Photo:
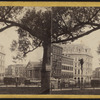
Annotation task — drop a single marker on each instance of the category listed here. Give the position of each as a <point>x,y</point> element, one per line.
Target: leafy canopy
<point>48,25</point>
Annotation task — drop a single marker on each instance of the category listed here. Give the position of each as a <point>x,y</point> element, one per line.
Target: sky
<point>6,37</point>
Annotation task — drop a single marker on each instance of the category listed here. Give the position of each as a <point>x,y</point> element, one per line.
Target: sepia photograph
<point>49,50</point>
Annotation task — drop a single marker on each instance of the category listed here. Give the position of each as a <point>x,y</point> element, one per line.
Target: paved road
<point>11,89</point>
<point>77,91</point>
<point>90,88</point>
<point>66,89</point>
<point>19,86</point>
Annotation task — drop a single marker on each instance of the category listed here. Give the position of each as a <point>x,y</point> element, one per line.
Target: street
<point>36,90</point>
<point>77,91</point>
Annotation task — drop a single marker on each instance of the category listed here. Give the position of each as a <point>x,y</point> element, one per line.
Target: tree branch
<point>93,15</point>
<point>93,24</point>
<point>79,36</point>
<point>24,27</point>
<point>3,17</point>
<point>4,28</point>
<point>67,31</point>
<point>33,49</point>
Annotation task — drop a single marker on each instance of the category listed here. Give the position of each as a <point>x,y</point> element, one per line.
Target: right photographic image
<point>75,50</point>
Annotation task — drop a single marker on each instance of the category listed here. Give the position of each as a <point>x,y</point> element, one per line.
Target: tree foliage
<point>74,22</point>
<point>52,25</point>
<point>40,26</point>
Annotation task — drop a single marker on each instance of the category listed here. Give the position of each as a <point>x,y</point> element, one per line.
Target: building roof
<point>57,45</point>
<point>17,66</point>
<point>76,49</point>
<point>97,69</point>
<point>75,45</point>
<point>67,56</point>
<point>34,64</point>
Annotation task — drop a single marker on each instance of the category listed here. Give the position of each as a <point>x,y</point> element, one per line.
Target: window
<point>79,50</point>
<point>72,68</point>
<point>68,67</point>
<point>75,64</point>
<point>75,71</point>
<point>63,67</point>
<point>78,71</point>
<point>75,59</point>
<point>85,50</point>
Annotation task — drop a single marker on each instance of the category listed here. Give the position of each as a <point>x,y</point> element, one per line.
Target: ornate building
<point>77,52</point>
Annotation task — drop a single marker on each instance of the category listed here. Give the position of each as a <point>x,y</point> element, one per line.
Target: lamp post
<point>81,63</point>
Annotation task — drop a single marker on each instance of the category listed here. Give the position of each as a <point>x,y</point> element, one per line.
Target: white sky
<point>92,40</point>
<point>6,38</point>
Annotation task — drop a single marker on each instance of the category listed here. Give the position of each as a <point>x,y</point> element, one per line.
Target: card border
<point>54,4</point>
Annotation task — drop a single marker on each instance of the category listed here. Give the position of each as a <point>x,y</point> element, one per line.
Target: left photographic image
<point>23,32</point>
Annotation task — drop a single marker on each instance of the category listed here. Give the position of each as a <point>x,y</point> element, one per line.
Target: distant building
<point>2,63</point>
<point>99,61</point>
<point>56,56</point>
<point>96,73</point>
<point>67,68</point>
<point>33,70</point>
<point>77,52</point>
<point>17,70</point>
<point>10,71</point>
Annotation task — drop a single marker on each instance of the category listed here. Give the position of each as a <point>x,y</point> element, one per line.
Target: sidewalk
<point>77,91</point>
<point>66,89</point>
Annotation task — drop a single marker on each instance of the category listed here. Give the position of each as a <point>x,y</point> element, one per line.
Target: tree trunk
<point>45,75</point>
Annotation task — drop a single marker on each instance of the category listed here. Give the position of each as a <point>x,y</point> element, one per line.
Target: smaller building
<point>56,52</point>
<point>17,70</point>
<point>67,68</point>
<point>33,70</point>
<point>96,73</point>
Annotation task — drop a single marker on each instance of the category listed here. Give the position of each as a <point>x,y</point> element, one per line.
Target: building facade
<point>96,73</point>
<point>67,68</point>
<point>77,52</point>
<point>17,70</point>
<point>56,56</point>
<point>33,70</point>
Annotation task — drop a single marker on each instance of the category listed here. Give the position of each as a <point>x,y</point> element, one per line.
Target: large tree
<point>44,27</point>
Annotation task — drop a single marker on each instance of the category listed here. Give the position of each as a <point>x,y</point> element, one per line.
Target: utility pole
<point>51,73</point>
<point>81,63</point>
